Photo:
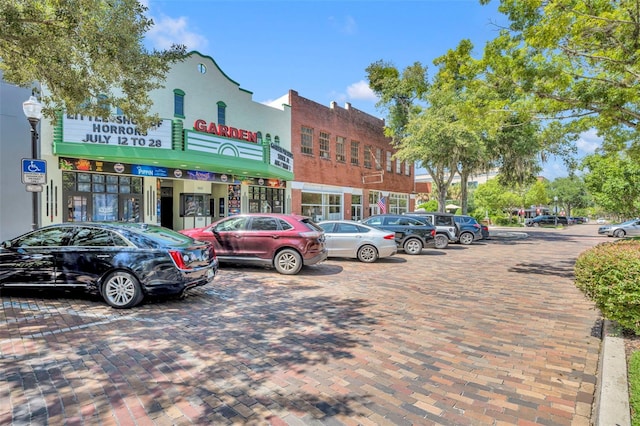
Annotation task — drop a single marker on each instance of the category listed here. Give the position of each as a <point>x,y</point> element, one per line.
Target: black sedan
<point>122,262</point>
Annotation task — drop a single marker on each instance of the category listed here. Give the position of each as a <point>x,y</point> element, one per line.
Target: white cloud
<point>589,141</point>
<point>167,31</point>
<point>347,26</point>
<point>361,91</point>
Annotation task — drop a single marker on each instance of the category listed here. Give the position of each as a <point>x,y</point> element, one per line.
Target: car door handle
<point>275,237</point>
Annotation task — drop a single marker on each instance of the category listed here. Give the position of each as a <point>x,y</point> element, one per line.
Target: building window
<point>340,154</point>
<point>407,168</point>
<point>322,206</point>
<point>355,153</point>
<point>306,140</point>
<point>398,166</point>
<point>378,159</point>
<point>202,69</point>
<point>367,157</point>
<point>389,168</point>
<point>324,145</point>
<point>222,113</point>
<point>178,103</point>
<point>398,203</point>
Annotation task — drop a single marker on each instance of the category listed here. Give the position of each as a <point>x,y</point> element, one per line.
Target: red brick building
<point>343,163</point>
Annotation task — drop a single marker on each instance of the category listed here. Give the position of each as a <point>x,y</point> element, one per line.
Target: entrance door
<point>166,212</point>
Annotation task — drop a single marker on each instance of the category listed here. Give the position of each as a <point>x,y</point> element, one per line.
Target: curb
<point>612,394</point>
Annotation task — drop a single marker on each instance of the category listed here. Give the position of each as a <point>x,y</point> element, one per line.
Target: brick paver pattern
<point>495,333</point>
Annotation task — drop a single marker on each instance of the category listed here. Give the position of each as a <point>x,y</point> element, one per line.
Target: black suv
<point>446,228</point>
<point>412,233</point>
<point>547,220</point>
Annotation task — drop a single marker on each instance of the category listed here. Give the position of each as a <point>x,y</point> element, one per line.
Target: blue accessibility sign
<point>34,172</point>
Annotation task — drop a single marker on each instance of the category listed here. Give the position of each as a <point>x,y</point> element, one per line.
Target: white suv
<point>446,229</point>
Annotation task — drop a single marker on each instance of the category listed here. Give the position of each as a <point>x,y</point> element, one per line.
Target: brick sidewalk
<point>489,334</point>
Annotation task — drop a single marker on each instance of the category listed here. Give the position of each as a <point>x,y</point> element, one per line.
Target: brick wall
<point>351,124</point>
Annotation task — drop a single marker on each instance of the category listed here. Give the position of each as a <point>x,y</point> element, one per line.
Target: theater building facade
<point>214,153</point>
<point>344,166</point>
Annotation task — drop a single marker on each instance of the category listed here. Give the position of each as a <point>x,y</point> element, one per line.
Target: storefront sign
<point>282,158</point>
<point>149,171</point>
<point>117,131</point>
<point>226,131</point>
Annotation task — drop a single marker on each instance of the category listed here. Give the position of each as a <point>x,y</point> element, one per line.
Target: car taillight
<point>179,259</point>
<point>433,233</point>
<point>389,237</point>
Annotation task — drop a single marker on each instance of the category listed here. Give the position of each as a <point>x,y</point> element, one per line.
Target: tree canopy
<point>572,61</point>
<point>89,55</point>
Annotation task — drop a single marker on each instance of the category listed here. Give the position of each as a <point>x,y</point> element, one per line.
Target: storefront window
<point>99,197</point>
<point>320,206</point>
<point>398,203</point>
<point>263,199</point>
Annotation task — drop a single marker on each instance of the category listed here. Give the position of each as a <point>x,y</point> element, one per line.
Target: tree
<point>572,61</point>
<point>614,182</point>
<point>87,53</point>
<point>572,193</point>
<point>537,195</point>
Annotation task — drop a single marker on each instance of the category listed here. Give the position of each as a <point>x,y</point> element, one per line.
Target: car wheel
<point>288,262</point>
<point>466,238</point>
<point>122,290</point>
<point>441,241</point>
<point>619,233</point>
<point>535,224</point>
<point>367,254</point>
<point>412,246</point>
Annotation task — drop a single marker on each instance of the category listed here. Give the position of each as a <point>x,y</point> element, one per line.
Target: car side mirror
<point>6,244</point>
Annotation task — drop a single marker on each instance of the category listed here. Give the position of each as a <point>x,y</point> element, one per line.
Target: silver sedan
<point>345,238</point>
<point>628,228</point>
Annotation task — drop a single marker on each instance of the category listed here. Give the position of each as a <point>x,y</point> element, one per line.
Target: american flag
<point>383,207</point>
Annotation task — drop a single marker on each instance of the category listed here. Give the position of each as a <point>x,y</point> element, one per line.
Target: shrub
<point>634,387</point>
<point>506,221</point>
<point>609,274</point>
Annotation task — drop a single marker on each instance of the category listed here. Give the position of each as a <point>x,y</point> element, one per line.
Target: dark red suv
<point>283,241</point>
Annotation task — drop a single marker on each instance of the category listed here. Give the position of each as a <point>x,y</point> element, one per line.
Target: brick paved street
<point>489,334</point>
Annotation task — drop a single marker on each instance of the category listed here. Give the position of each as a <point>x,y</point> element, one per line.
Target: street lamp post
<point>555,208</point>
<point>33,111</point>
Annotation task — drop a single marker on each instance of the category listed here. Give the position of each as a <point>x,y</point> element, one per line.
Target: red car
<point>285,242</point>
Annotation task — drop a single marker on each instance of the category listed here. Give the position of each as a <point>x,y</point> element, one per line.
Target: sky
<point>321,48</point>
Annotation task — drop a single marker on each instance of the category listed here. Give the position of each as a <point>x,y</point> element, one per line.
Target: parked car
<point>578,220</point>
<point>601,221</point>
<point>412,234</point>
<point>485,232</point>
<point>620,230</point>
<point>123,262</point>
<point>469,230</point>
<point>446,228</point>
<point>285,242</point>
<point>547,220</point>
<point>345,238</point>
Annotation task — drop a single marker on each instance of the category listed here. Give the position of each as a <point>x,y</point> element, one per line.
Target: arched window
<point>178,103</point>
<point>222,112</point>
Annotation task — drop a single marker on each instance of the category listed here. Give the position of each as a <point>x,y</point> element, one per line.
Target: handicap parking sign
<point>34,172</point>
